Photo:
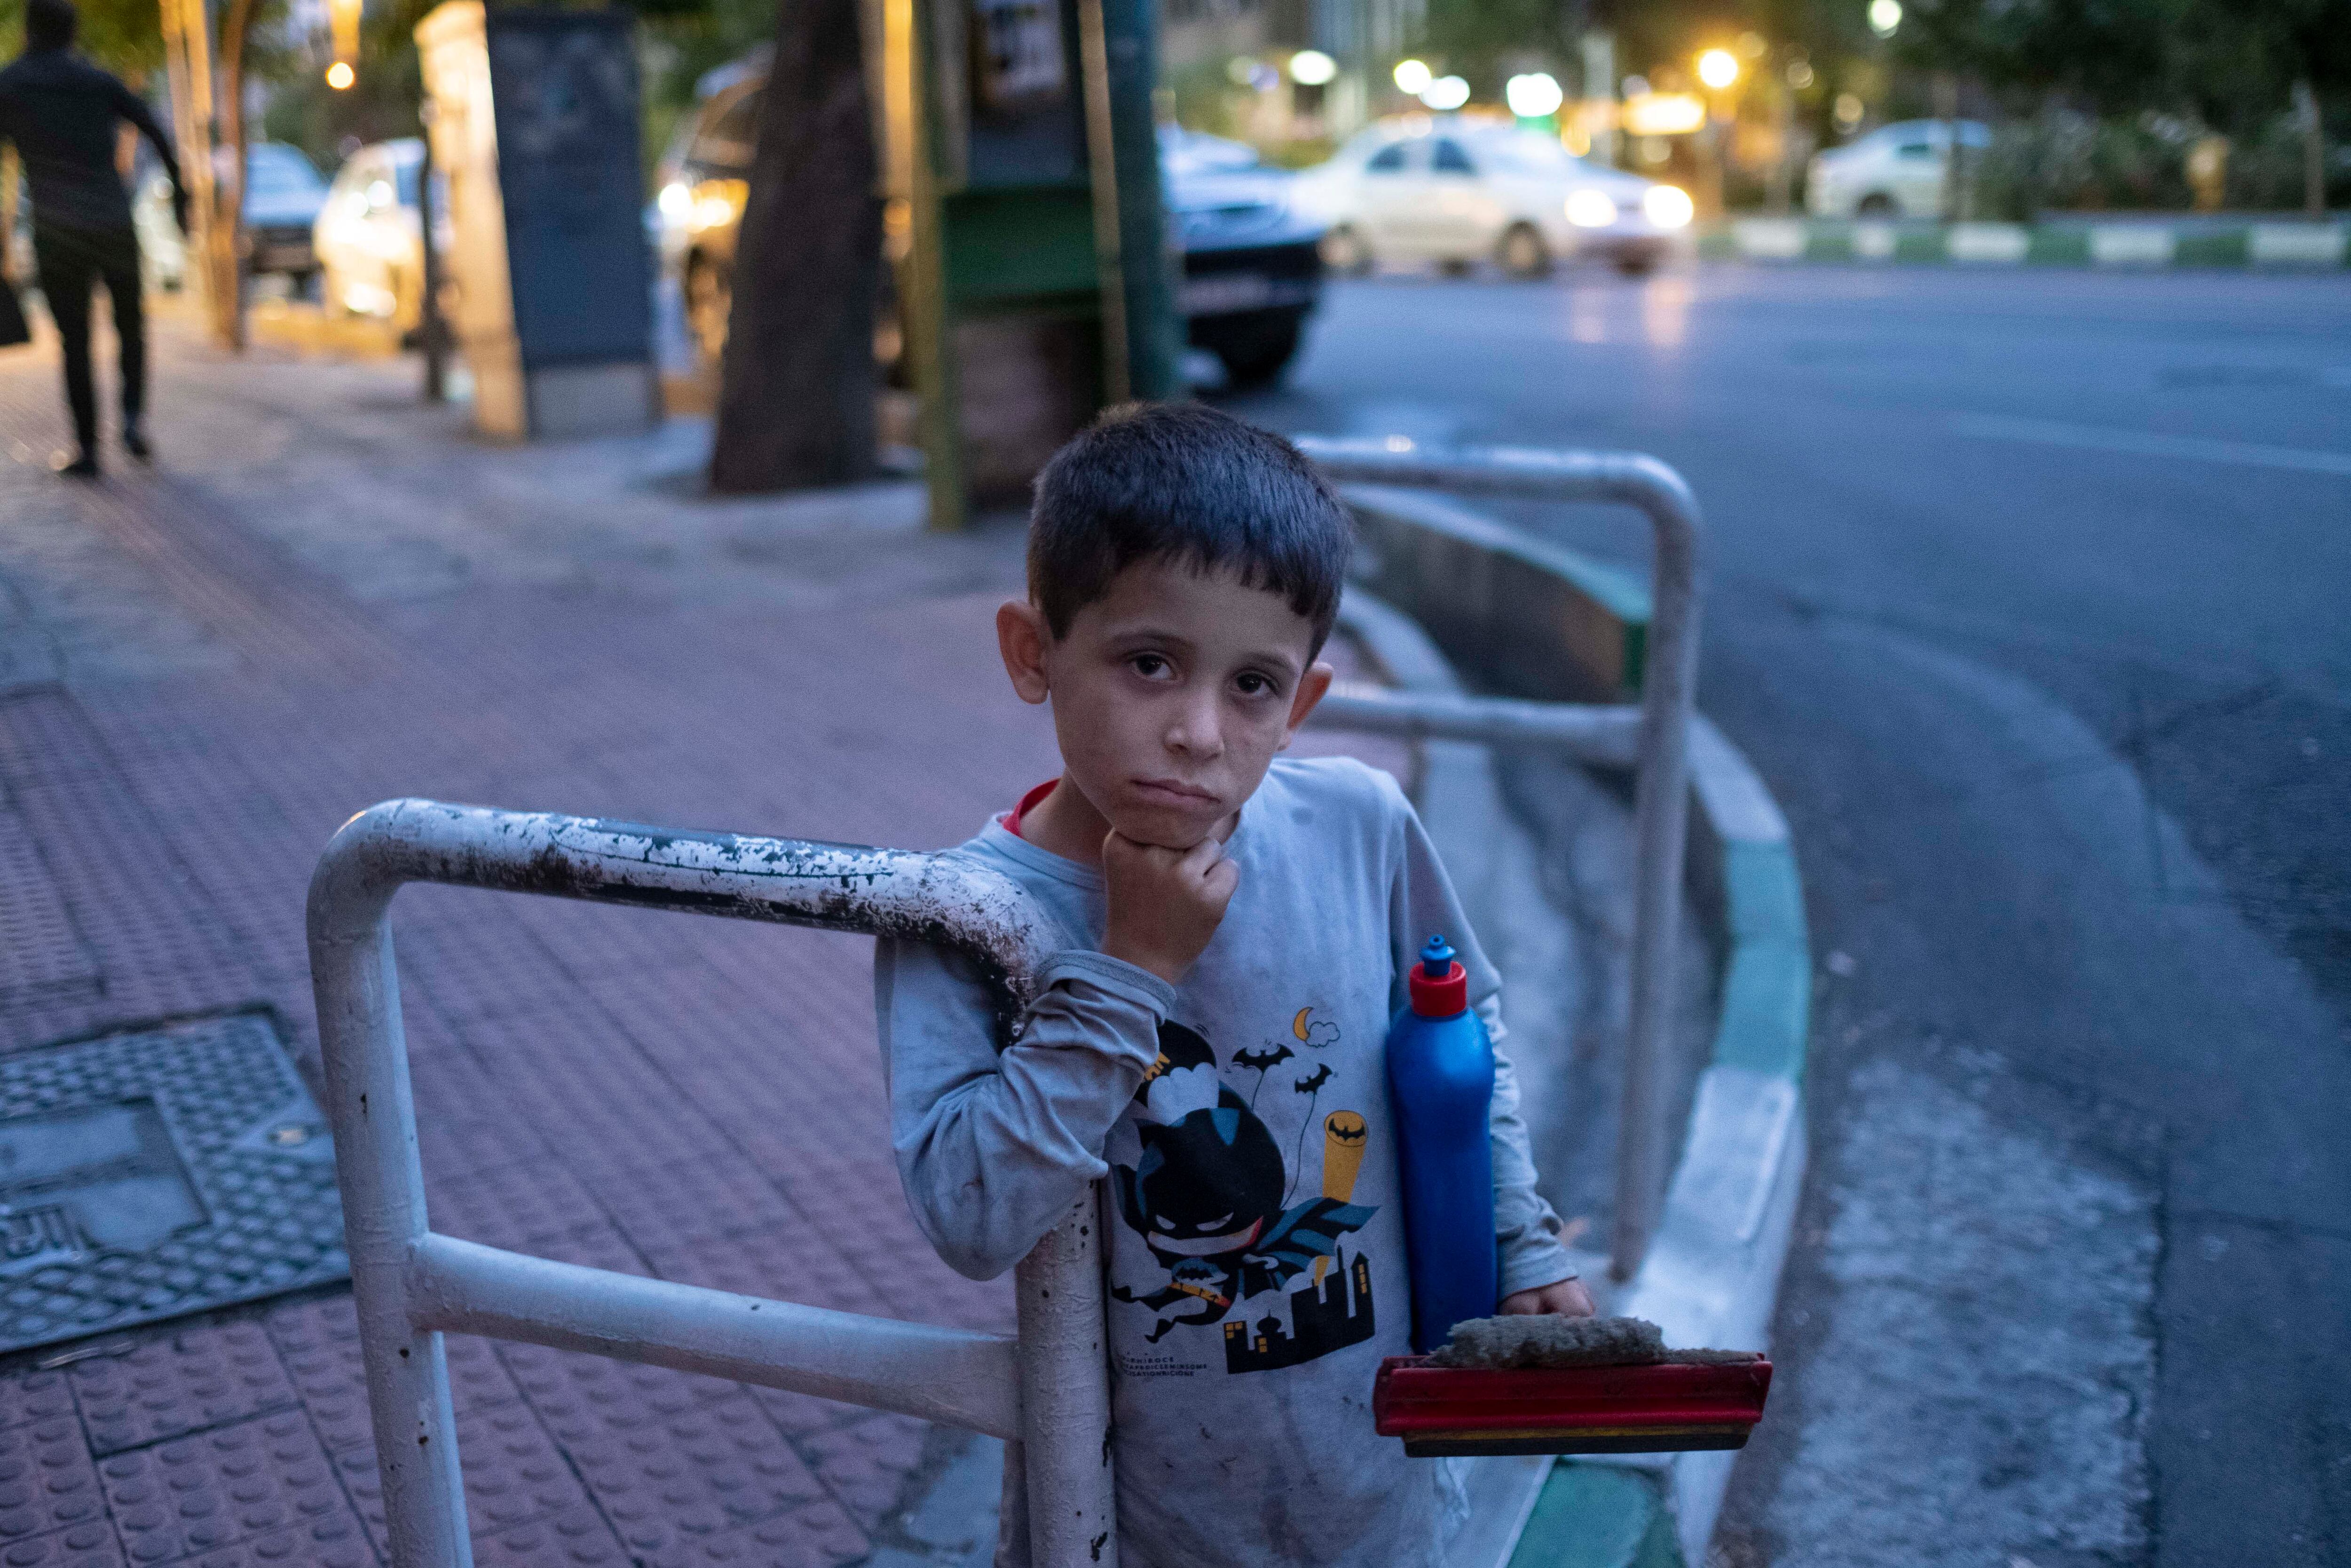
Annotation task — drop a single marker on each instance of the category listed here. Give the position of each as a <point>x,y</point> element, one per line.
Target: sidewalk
<point>324,596</point>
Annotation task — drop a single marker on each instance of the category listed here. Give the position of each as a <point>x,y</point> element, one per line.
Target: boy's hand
<point>1567,1298</point>
<point>1164,905</point>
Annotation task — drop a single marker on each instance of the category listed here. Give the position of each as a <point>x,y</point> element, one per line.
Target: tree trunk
<point>796,381</point>
<point>225,234</point>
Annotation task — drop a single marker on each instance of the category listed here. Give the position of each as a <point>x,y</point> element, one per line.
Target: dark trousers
<point>72,262</point>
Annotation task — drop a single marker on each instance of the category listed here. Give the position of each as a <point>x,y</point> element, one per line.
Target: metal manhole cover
<point>157,1172</point>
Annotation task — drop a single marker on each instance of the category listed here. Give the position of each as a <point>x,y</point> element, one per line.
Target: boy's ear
<point>1312,688</point>
<point>1022,637</point>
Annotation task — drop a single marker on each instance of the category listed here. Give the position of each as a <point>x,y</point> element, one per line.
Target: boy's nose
<point>1199,731</point>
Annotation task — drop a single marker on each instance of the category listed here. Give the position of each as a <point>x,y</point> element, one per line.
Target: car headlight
<point>676,201</point>
<point>1667,206</point>
<point>1590,209</point>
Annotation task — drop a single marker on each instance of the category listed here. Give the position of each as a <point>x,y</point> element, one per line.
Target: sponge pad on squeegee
<point>1568,1386</point>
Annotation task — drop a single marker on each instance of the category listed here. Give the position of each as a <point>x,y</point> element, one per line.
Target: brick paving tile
<point>194,1378</point>
<point>512,1204</point>
<point>577,1384</point>
<point>667,1209</point>
<point>667,1477</point>
<point>34,1396</point>
<point>196,1495</point>
<point>512,1472</point>
<point>866,1463</point>
<point>576,1538</point>
<point>47,1480</point>
<point>821,1536</point>
<point>318,1341</point>
<point>335,1541</point>
<point>88,1545</point>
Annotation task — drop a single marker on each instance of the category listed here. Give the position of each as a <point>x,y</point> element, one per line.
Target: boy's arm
<point>1525,1228</point>
<point>993,1148</point>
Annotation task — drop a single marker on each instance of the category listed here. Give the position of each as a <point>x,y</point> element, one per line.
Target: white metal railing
<point>1047,1387</point>
<point>1656,743</point>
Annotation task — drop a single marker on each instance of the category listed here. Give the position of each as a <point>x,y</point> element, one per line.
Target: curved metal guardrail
<point>1046,1389</point>
<point>1658,740</point>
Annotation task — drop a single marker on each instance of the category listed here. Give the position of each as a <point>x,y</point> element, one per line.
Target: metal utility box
<point>534,120</point>
<point>1026,222</point>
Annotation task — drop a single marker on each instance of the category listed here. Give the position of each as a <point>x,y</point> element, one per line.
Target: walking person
<point>61,112</point>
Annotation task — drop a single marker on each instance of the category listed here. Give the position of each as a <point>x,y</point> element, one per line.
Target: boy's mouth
<point>1172,792</point>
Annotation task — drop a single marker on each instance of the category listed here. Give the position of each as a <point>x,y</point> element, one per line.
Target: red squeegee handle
<point>1413,1398</point>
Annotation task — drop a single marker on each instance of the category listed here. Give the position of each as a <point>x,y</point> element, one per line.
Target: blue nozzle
<point>1436,958</point>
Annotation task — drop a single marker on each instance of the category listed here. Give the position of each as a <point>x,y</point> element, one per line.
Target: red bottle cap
<point>1439,985</point>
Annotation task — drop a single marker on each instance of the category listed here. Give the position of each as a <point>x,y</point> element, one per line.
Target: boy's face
<point>1170,695</point>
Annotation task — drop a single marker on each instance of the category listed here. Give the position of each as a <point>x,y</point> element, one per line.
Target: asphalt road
<point>2028,592</point>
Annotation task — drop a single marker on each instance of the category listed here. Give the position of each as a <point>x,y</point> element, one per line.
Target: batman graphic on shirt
<point>1208,1197</point>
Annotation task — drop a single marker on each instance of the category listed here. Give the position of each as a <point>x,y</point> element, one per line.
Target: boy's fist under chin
<point>1164,905</point>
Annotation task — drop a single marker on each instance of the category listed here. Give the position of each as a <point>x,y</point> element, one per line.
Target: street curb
<point>1712,1272</point>
<point>2284,245</point>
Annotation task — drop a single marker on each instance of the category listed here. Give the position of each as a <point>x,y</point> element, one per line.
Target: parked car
<point>1252,267</point>
<point>1253,259</point>
<point>1457,191</point>
<point>1895,172</point>
<point>283,193</point>
<point>369,238</point>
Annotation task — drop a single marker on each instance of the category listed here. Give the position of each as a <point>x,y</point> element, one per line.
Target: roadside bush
<point>2062,161</point>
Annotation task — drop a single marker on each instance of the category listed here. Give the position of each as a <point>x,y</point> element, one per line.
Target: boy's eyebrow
<point>1177,639</point>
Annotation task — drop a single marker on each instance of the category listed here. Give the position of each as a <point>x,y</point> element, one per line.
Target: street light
<point>1885,16</point>
<point>1312,68</point>
<point>1533,97</point>
<point>1720,67</point>
<point>339,76</point>
<point>1445,94</point>
<point>1413,77</point>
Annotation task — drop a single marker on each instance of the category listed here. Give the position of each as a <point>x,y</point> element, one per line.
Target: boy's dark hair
<point>1181,482</point>
<point>50,24</point>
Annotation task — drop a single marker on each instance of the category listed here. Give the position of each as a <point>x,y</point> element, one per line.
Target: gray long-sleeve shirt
<point>1257,1257</point>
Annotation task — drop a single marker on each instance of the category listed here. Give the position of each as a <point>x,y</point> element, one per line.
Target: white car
<point>369,239</point>
<point>1457,191</point>
<point>1895,172</point>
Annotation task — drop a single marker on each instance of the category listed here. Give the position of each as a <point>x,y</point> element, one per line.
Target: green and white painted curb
<point>2281,244</point>
<point>1544,622</point>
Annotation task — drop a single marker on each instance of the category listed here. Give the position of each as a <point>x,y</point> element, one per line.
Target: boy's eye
<point>1253,684</point>
<point>1150,666</point>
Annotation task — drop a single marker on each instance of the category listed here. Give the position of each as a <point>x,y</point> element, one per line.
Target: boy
<point>1236,933</point>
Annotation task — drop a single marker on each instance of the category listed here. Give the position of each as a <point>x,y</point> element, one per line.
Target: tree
<point>797,381</point>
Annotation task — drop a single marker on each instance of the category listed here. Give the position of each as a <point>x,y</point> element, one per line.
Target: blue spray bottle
<point>1441,1083</point>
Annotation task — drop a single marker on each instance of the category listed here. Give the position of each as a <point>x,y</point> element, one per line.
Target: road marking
<point>2094,438</point>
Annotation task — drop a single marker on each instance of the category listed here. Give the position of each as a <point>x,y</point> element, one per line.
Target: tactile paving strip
<point>241,1148</point>
<point>206,1376</point>
<point>263,1478</point>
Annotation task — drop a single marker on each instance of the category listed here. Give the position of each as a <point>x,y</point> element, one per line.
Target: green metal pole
<point>927,319</point>
<point>1147,269</point>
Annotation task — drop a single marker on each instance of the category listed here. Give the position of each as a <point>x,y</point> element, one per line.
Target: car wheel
<point>1522,253</point>
<point>1877,205</point>
<point>1344,252</point>
<point>1256,352</point>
